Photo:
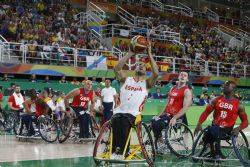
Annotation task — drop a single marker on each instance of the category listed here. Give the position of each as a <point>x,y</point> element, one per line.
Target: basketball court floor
<point>37,153</point>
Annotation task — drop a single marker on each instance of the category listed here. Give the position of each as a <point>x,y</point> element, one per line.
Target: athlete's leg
<point>108,111</point>
<point>158,124</point>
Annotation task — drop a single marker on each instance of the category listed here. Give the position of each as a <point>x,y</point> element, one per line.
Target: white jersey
<point>133,96</point>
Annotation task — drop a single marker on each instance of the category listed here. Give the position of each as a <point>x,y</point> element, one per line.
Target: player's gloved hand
<point>197,129</point>
<point>236,131</point>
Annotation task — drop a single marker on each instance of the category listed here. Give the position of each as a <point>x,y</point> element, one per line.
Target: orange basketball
<point>138,44</point>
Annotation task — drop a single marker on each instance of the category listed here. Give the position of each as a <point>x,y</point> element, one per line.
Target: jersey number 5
<point>223,114</point>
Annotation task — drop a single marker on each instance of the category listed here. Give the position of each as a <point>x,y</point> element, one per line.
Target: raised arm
<point>151,80</point>
<point>204,115</point>
<point>186,103</point>
<point>70,95</point>
<point>119,73</point>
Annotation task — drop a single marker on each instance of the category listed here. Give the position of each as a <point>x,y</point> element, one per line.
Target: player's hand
<point>197,129</point>
<point>236,131</point>
<point>172,121</point>
<point>92,114</point>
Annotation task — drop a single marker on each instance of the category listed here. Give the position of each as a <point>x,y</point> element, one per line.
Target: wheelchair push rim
<point>179,139</point>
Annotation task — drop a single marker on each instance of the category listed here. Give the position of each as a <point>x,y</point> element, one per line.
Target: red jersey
<point>13,101</point>
<point>37,107</point>
<point>226,111</point>
<point>82,100</point>
<point>175,102</point>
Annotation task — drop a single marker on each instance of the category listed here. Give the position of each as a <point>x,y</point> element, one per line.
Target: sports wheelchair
<point>7,120</point>
<point>142,149</point>
<point>231,147</point>
<point>45,128</point>
<point>69,128</point>
<point>177,139</point>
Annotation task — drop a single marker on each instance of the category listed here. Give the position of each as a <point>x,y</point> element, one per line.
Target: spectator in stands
<point>10,90</point>
<point>239,96</point>
<point>203,100</point>
<point>94,82</point>
<point>170,84</point>
<point>75,82</point>
<point>46,80</point>
<point>85,80</point>
<point>158,94</point>
<point>102,83</point>
<point>63,80</point>
<point>158,84</point>
<point>15,101</point>
<point>116,84</point>
<point>212,96</point>
<point>33,78</point>
<point>5,77</point>
<point>108,99</point>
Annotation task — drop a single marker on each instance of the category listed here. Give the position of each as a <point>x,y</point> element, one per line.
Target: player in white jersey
<point>133,94</point>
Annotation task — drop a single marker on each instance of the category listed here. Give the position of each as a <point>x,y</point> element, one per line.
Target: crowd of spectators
<point>54,24</point>
<point>201,42</point>
<point>45,27</point>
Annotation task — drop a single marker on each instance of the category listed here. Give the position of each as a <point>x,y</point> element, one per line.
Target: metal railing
<point>125,15</point>
<point>96,12</point>
<point>118,30</point>
<point>186,11</point>
<point>211,15</point>
<point>77,57</point>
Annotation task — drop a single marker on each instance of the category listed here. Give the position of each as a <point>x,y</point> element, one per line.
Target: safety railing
<point>211,15</point>
<point>77,57</point>
<point>96,12</point>
<point>118,30</point>
<point>125,15</point>
<point>185,10</point>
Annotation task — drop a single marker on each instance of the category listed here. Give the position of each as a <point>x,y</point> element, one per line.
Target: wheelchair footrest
<point>120,161</point>
<point>28,137</point>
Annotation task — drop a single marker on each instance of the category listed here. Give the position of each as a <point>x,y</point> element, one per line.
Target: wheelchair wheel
<point>65,129</point>
<point>10,120</point>
<point>2,128</point>
<point>146,142</point>
<point>101,148</point>
<point>241,148</point>
<point>200,149</point>
<point>47,129</point>
<point>17,126</point>
<point>179,139</point>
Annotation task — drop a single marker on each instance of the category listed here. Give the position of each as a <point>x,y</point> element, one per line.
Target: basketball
<point>138,44</point>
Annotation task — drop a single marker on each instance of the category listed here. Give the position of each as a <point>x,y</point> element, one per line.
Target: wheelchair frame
<point>168,142</point>
<point>65,131</point>
<point>43,128</point>
<point>137,148</point>
<point>231,140</point>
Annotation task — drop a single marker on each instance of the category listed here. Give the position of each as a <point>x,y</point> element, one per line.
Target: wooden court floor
<point>37,153</point>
